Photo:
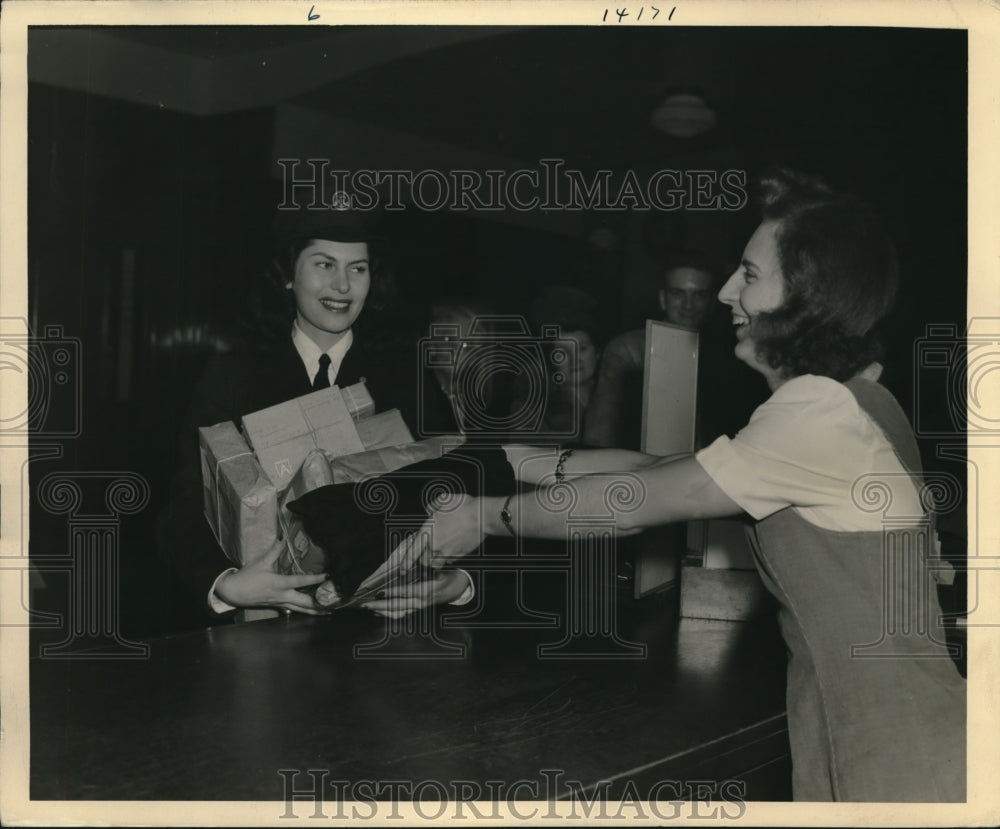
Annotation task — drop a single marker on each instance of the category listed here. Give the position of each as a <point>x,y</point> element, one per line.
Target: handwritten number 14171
<point>623,13</point>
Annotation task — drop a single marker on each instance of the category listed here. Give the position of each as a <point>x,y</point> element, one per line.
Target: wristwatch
<point>506,517</point>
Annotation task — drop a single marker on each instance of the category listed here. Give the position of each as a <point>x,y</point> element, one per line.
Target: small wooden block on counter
<point>728,595</point>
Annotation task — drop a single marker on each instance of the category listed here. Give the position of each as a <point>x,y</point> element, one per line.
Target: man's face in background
<point>687,296</point>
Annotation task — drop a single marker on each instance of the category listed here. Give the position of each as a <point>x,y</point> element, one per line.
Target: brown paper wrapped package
<point>241,504</point>
<point>281,436</point>
<point>384,430</point>
<point>380,461</point>
<point>359,401</point>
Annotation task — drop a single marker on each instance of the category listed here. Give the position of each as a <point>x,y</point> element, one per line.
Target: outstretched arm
<point>537,464</point>
<point>657,491</point>
<point>662,491</point>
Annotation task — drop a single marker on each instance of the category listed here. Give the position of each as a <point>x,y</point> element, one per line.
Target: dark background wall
<point>148,221</point>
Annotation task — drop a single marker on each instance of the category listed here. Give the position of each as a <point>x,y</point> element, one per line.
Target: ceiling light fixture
<point>683,114</point>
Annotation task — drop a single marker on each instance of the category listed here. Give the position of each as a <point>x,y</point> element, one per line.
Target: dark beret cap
<point>340,223</point>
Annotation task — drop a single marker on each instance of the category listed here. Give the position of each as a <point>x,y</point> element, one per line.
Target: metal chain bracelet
<point>560,475</point>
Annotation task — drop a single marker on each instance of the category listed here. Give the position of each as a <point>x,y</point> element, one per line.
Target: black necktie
<point>322,378</point>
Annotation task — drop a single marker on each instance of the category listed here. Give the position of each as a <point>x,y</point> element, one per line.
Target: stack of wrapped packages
<point>302,473</point>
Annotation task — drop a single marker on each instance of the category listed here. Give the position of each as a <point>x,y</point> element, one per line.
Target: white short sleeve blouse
<point>805,448</point>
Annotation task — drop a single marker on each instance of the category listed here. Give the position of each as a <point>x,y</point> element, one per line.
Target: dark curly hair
<point>272,305</point>
<point>840,278</point>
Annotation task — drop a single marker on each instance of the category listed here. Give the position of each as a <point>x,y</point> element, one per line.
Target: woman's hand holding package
<point>257,585</point>
<point>444,587</point>
<point>454,529</point>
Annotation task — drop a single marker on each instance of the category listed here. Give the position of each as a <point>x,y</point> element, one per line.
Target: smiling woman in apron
<point>876,708</point>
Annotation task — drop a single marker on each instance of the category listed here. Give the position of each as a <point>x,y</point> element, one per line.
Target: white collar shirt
<point>310,353</point>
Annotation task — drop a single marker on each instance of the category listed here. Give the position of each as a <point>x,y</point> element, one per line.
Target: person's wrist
<point>455,584</point>
<point>468,590</point>
<point>223,585</point>
<point>492,522</point>
<point>215,601</point>
<point>507,517</point>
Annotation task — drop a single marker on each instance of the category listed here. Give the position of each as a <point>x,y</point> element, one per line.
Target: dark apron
<point>876,707</point>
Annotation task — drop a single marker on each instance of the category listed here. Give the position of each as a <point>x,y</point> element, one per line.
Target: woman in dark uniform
<point>308,332</point>
<point>876,708</point>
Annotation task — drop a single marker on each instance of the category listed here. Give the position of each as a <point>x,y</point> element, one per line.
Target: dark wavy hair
<point>272,305</point>
<point>840,279</point>
<point>572,310</point>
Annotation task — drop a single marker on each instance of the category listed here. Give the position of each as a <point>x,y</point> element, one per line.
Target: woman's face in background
<point>459,318</point>
<point>330,285</point>
<point>757,285</point>
<point>587,356</point>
